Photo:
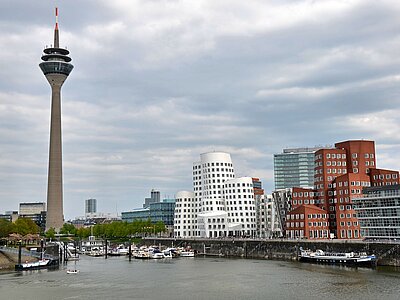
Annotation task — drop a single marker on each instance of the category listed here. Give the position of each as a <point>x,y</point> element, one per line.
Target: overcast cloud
<point>156,83</point>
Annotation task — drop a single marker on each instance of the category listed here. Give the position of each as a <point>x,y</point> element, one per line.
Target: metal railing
<point>26,253</point>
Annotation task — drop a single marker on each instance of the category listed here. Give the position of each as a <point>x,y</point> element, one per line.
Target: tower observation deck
<point>56,67</point>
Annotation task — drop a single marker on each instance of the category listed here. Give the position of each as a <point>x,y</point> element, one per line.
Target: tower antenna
<point>56,36</point>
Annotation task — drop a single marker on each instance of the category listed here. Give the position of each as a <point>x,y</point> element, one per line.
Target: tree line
<point>24,226</point>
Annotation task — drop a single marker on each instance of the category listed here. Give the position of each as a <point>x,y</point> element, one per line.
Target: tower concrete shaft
<point>55,218</point>
<point>56,68</point>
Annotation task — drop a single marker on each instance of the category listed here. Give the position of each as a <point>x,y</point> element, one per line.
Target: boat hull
<point>368,262</point>
<point>36,265</point>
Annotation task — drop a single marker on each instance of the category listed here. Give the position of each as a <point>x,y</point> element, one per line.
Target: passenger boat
<point>348,259</point>
<point>42,263</point>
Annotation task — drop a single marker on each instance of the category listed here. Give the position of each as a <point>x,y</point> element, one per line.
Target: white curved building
<point>185,215</point>
<point>224,206</point>
<point>240,206</point>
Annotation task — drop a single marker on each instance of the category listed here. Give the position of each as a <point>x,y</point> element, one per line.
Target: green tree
<point>51,233</point>
<point>6,227</point>
<point>68,229</point>
<point>24,226</point>
<point>83,233</point>
<point>160,227</point>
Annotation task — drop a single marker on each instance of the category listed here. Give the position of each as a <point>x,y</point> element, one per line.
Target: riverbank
<point>388,253</point>
<point>8,261</point>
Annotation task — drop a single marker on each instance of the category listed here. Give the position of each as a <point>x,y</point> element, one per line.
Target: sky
<point>156,83</point>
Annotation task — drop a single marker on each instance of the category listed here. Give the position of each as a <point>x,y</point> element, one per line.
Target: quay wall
<point>388,253</point>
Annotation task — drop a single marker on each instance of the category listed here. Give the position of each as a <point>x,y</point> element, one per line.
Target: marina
<point>204,277</point>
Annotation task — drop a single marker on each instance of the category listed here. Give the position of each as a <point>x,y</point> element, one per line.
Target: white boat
<point>143,253</point>
<point>348,258</point>
<point>155,253</point>
<point>72,271</point>
<point>42,263</point>
<point>187,253</point>
<point>170,253</point>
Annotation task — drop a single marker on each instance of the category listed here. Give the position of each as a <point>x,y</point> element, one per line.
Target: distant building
<point>90,206</point>
<point>136,214</point>
<point>94,218</point>
<point>154,198</point>
<point>294,167</point>
<point>378,212</point>
<point>31,208</point>
<point>36,211</point>
<point>157,212</point>
<point>11,216</point>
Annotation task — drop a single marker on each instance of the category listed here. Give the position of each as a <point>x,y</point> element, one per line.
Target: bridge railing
<point>26,252</point>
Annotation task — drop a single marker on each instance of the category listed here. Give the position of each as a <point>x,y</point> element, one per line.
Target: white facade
<point>223,205</point>
<point>240,206</point>
<point>185,215</point>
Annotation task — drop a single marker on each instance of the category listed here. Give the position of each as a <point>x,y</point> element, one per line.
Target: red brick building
<point>340,175</point>
<point>381,177</point>
<point>307,221</point>
<point>302,196</point>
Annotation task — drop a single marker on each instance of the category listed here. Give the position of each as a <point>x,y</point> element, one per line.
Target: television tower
<point>56,68</point>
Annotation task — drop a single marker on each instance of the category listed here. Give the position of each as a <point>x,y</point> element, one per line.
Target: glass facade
<point>163,211</point>
<point>378,212</point>
<point>56,67</point>
<point>294,168</point>
<point>160,211</point>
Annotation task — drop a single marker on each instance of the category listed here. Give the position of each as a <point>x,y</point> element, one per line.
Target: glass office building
<point>294,168</point>
<point>159,211</point>
<point>378,212</point>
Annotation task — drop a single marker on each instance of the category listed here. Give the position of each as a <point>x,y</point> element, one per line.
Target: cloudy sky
<point>156,83</point>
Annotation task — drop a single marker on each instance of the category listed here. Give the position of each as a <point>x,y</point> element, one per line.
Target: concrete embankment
<point>8,261</point>
<point>388,253</point>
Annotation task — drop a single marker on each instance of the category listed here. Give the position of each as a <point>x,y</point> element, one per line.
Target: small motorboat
<point>73,271</point>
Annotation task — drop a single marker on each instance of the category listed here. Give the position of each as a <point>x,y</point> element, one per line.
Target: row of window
<point>336,163</point>
<point>335,155</point>
<point>214,170</point>
<point>342,224</point>
<point>382,176</point>
<point>205,165</point>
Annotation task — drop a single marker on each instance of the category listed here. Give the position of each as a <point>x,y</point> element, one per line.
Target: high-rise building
<point>56,67</point>
<point>154,198</point>
<point>294,167</point>
<point>222,204</point>
<point>90,206</point>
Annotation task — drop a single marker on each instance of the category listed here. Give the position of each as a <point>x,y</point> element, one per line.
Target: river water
<point>200,278</point>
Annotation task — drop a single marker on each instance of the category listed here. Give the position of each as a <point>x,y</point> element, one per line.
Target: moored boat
<point>348,258</point>
<point>40,264</point>
<point>186,253</point>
